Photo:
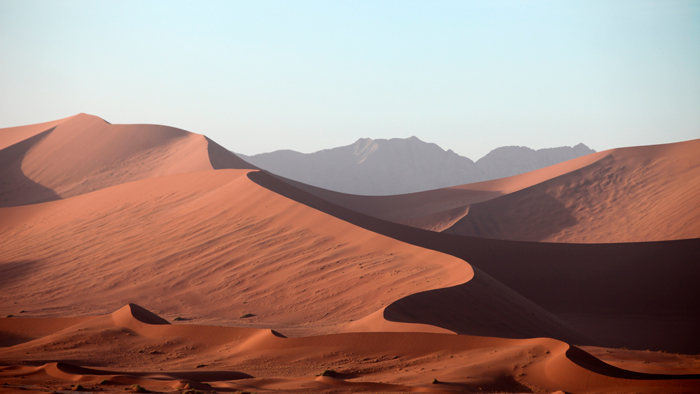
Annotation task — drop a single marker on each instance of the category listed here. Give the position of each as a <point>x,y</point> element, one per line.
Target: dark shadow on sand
<point>15,187</point>
<point>655,279</point>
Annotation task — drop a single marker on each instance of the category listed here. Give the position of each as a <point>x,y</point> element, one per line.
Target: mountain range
<point>398,166</point>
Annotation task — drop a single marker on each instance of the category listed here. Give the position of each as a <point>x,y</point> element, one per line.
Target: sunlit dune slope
<point>647,193</point>
<point>225,246</point>
<point>622,294</point>
<point>126,344</point>
<point>83,153</point>
<point>439,209</point>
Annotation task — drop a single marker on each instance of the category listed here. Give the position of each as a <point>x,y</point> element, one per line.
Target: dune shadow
<point>653,279</point>
<point>461,308</point>
<point>523,215</point>
<point>15,187</point>
<point>586,360</point>
<point>197,376</point>
<point>13,271</point>
<point>9,339</point>
<point>221,158</point>
<point>277,334</point>
<point>482,307</point>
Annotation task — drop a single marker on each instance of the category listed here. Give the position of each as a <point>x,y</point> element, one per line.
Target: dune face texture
<point>140,256</point>
<point>84,153</point>
<point>628,195</point>
<point>636,194</point>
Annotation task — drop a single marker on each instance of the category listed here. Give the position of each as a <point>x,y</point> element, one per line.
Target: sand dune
<point>635,194</point>
<point>439,209</point>
<point>260,360</point>
<point>12,135</point>
<point>618,294</point>
<point>227,246</point>
<point>99,216</point>
<point>83,153</point>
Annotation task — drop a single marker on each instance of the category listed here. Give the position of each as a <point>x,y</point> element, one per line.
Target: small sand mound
<point>135,312</point>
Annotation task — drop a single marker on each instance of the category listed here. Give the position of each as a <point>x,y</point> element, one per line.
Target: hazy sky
<point>258,76</point>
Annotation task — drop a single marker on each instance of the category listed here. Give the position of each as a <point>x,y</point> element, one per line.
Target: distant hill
<point>515,160</point>
<point>398,166</point>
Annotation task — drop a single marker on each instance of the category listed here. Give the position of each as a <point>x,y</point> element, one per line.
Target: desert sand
<point>83,153</point>
<point>133,346</point>
<point>635,194</point>
<point>143,254</point>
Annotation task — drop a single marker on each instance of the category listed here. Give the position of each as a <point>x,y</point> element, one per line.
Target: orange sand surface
<point>636,194</point>
<point>269,282</point>
<point>133,346</point>
<point>639,295</point>
<point>83,153</point>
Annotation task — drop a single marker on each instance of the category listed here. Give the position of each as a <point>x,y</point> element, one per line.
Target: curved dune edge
<point>178,241</point>
<point>379,270</point>
<point>205,198</point>
<point>541,363</point>
<point>133,314</point>
<point>377,322</point>
<point>439,209</point>
<point>634,194</point>
<point>631,303</point>
<point>84,153</point>
<point>465,306</point>
<point>12,135</point>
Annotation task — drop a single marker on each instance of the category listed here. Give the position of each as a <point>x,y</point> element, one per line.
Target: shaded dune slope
<point>619,293</point>
<point>84,153</point>
<point>12,135</point>
<point>514,365</point>
<point>15,187</point>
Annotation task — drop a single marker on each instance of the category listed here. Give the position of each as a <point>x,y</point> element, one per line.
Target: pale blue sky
<point>258,76</point>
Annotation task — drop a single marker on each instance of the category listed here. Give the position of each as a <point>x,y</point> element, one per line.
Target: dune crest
<point>624,310</point>
<point>220,249</point>
<point>12,135</point>
<point>637,194</point>
<point>439,209</point>
<point>272,285</point>
<point>83,153</point>
<point>132,313</point>
<point>401,361</point>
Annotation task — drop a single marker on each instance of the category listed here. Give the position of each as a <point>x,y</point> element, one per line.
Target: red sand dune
<point>97,216</point>
<point>647,193</point>
<point>617,294</point>
<point>83,153</point>
<point>226,358</point>
<point>226,246</point>
<point>439,209</point>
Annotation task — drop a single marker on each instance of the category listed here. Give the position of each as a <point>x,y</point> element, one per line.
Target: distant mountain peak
<point>364,148</point>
